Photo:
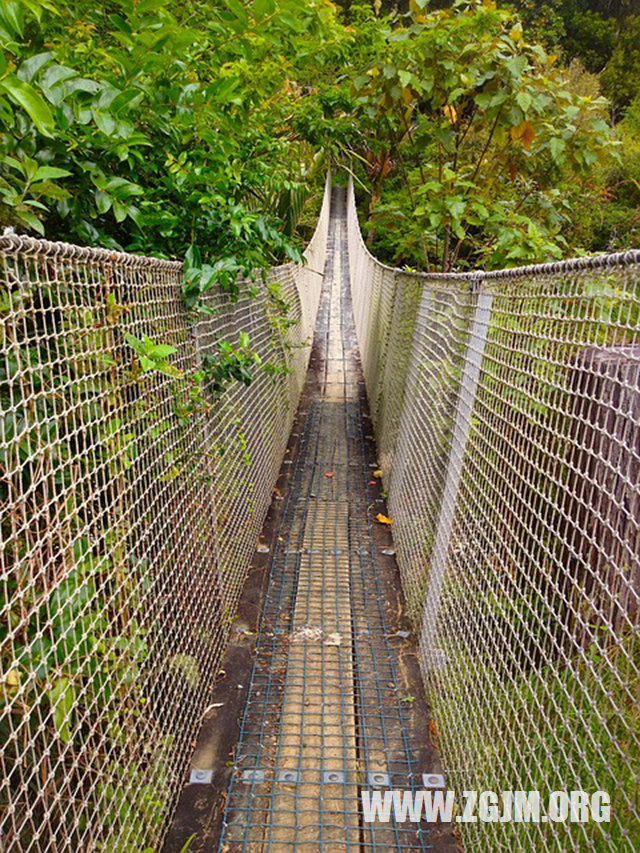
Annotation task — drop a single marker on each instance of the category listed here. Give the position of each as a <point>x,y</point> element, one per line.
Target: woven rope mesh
<point>127,529</point>
<point>507,416</point>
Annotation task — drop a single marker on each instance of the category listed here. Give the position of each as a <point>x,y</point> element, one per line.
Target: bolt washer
<point>333,777</point>
<point>201,777</point>
<point>255,777</point>
<point>378,779</point>
<point>289,776</point>
<point>433,780</point>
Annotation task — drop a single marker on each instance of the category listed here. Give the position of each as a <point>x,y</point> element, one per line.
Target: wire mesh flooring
<point>328,712</point>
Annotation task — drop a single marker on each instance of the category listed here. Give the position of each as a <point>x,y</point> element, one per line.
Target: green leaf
<point>146,363</point>
<point>29,167</point>
<point>103,202</point>
<point>36,7</point>
<point>32,221</point>
<point>161,351</point>
<point>55,75</point>
<point>105,121</point>
<point>516,65</point>
<point>262,8</point>
<point>133,342</point>
<point>238,11</point>
<point>145,6</point>
<point>12,16</point>
<point>34,104</point>
<point>523,99</point>
<point>557,146</point>
<point>361,80</point>
<point>455,206</point>
<point>119,210</point>
<point>192,257</point>
<point>187,845</point>
<point>50,173</point>
<point>30,67</point>
<point>62,697</point>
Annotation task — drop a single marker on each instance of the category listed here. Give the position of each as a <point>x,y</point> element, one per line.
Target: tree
<point>133,125</point>
<point>482,130</point>
<point>621,77</point>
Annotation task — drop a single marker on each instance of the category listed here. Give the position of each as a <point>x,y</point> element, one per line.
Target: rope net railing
<point>131,506</point>
<point>507,415</point>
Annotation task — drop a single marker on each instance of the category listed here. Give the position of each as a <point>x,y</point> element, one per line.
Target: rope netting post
<point>431,655</point>
<point>131,507</point>
<point>512,465</point>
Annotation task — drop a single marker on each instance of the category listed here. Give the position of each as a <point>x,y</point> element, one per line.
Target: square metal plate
<point>433,780</point>
<point>288,776</point>
<point>255,777</point>
<point>333,777</point>
<point>378,779</point>
<point>201,777</point>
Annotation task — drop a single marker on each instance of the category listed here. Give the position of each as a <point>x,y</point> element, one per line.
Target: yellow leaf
<point>451,113</point>
<point>382,519</point>
<point>416,12</point>
<point>12,678</point>
<point>528,136</point>
<point>516,32</point>
<point>408,116</point>
<point>377,473</point>
<point>524,133</point>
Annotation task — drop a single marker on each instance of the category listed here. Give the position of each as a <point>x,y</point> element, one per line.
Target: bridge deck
<point>334,694</point>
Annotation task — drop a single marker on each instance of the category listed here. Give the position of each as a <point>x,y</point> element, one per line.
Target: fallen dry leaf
<point>383,519</point>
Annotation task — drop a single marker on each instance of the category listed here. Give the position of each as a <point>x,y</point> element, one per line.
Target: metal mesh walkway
<point>329,709</point>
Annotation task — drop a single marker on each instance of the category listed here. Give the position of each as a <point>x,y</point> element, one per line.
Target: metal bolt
<point>288,776</point>
<point>433,780</point>
<point>253,776</point>
<point>332,777</point>
<point>201,777</point>
<point>378,779</point>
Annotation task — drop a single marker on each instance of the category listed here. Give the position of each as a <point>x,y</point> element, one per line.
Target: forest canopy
<point>478,134</point>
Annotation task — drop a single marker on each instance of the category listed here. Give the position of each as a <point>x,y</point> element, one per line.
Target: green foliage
<point>590,36</point>
<point>152,128</point>
<point>597,674</point>
<point>152,356</point>
<point>475,129</point>
<point>229,364</point>
<point>609,201</point>
<point>621,77</point>
<point>200,133</point>
<point>542,22</point>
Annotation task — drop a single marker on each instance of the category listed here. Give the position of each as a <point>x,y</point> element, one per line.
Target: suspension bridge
<point>448,468</point>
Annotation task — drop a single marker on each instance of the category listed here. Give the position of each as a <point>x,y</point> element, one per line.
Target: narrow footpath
<point>334,703</point>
